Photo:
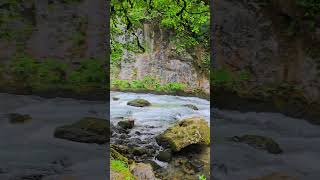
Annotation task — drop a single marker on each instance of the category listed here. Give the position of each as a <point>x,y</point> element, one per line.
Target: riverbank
<point>33,152</point>
<point>201,95</point>
<point>96,94</point>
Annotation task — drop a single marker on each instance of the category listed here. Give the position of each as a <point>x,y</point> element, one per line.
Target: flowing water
<point>165,111</point>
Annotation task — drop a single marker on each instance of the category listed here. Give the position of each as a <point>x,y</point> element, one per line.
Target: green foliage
<point>137,84</point>
<point>51,71</point>
<point>122,168</point>
<point>202,177</point>
<point>174,87</point>
<point>220,77</point>
<point>224,78</point>
<point>311,7</point>
<point>90,71</point>
<point>187,19</point>
<point>120,84</point>
<point>147,83</point>
<point>51,74</point>
<point>151,83</point>
<point>78,38</point>
<point>12,12</point>
<point>23,67</point>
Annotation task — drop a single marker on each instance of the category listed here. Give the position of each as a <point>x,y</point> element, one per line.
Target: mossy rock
<point>259,142</point>
<point>115,155</point>
<point>165,155</point>
<point>16,118</point>
<point>188,131</point>
<point>87,130</point>
<point>120,170</point>
<point>139,103</point>
<point>126,124</point>
<point>119,166</point>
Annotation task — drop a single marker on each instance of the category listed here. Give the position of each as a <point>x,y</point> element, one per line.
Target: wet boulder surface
<point>87,130</point>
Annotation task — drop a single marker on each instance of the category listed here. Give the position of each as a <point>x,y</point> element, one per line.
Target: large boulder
<point>186,132</point>
<point>87,130</point>
<point>139,103</point>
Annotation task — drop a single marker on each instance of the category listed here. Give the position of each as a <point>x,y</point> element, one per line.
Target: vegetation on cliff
<point>189,20</point>
<point>25,72</point>
<point>186,23</point>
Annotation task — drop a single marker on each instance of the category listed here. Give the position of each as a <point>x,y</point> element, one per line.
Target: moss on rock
<point>188,131</point>
<point>87,130</point>
<point>139,103</point>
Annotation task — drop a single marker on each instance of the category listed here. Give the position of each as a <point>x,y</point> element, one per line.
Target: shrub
<point>90,72</point>
<point>151,83</point>
<point>120,84</point>
<point>174,87</point>
<point>51,71</point>
<point>23,67</point>
<point>137,84</point>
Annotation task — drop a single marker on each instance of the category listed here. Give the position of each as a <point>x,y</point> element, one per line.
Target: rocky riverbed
<point>29,150</point>
<point>139,119</point>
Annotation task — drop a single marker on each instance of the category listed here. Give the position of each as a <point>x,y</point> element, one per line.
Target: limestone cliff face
<point>272,41</point>
<point>163,61</point>
<point>61,29</point>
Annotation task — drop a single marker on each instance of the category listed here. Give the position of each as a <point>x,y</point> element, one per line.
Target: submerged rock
<point>191,106</point>
<point>139,103</point>
<point>165,155</point>
<point>188,131</point>
<point>139,151</point>
<point>15,118</point>
<point>259,142</point>
<point>126,124</point>
<point>115,98</point>
<point>87,130</point>
<point>143,171</point>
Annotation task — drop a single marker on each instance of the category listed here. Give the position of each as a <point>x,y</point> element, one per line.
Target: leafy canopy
<point>187,19</point>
